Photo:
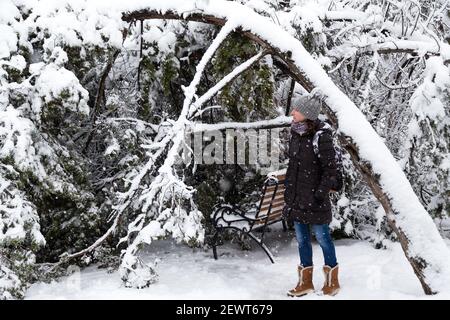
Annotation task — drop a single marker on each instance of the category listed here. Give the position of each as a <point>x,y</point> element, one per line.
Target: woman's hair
<point>311,125</point>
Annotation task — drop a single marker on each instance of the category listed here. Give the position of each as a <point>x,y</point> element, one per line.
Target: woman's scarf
<point>300,127</point>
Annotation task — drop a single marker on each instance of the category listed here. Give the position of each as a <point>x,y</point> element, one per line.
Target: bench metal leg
<point>214,244</point>
<point>251,235</point>
<point>262,245</point>
<point>284,225</point>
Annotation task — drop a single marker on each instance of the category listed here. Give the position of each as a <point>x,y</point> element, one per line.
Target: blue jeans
<point>322,233</point>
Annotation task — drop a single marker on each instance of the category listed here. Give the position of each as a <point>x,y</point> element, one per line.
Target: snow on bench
<point>269,211</point>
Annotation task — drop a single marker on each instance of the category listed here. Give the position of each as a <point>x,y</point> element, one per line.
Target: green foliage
<point>169,73</point>
<point>250,96</point>
<point>206,198</point>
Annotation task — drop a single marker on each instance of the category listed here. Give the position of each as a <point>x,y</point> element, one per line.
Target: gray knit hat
<point>309,106</point>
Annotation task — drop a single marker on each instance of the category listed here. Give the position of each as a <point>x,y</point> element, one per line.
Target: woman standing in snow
<point>309,178</point>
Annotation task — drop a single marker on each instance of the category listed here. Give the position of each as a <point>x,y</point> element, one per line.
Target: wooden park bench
<point>268,211</point>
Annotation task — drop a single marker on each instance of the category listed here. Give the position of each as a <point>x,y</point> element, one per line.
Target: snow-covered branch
<point>282,121</point>
<point>166,184</point>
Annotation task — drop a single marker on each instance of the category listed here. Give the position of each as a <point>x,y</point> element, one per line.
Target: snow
<point>445,165</point>
<point>16,132</point>
<point>113,148</point>
<point>97,18</point>
<point>345,14</point>
<point>421,46</point>
<point>343,202</point>
<point>184,273</point>
<point>19,218</point>
<point>76,96</point>
<point>8,281</point>
<point>8,11</point>
<point>412,217</point>
<point>8,41</point>
<point>425,102</point>
<point>92,22</point>
<point>167,41</point>
<point>278,121</point>
<point>409,214</point>
<point>18,62</point>
<point>274,174</point>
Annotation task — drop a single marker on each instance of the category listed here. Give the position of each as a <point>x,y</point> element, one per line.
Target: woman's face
<point>297,116</point>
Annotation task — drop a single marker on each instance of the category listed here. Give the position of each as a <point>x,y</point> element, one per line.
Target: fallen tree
<point>420,240</point>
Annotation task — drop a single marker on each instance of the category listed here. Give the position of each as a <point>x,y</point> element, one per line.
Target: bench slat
<point>268,199</point>
<point>277,195</point>
<point>269,195</point>
<point>272,217</point>
<point>273,210</point>
<point>272,188</point>
<point>276,202</point>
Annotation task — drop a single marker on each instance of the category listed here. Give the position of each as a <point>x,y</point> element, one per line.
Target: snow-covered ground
<point>365,273</point>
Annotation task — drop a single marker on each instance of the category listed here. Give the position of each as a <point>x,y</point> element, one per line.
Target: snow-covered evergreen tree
<point>93,112</point>
<point>428,147</point>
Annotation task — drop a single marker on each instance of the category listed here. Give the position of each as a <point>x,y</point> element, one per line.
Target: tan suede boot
<point>305,284</point>
<point>331,285</point>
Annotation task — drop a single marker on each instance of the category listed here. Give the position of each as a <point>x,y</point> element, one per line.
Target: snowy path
<point>365,273</point>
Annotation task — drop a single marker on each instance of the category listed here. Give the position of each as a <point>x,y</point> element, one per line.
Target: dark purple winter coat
<point>309,178</point>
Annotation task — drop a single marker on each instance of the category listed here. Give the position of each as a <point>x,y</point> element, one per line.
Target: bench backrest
<point>272,200</point>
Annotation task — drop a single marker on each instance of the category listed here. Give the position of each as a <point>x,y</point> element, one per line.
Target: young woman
<point>309,179</point>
